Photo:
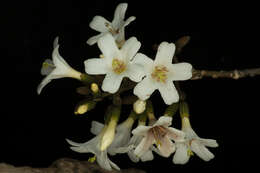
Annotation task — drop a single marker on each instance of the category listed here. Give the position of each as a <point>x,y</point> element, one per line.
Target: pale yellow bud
<point>94,88</point>
<point>84,106</point>
<point>139,106</point>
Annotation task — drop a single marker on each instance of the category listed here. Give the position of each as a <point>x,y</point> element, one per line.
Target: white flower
<point>93,146</point>
<point>116,28</point>
<point>122,136</point>
<point>192,143</point>
<point>56,68</point>
<point>160,73</point>
<point>116,63</point>
<point>160,134</point>
<point>135,141</point>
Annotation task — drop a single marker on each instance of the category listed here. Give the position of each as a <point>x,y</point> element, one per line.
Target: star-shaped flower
<point>161,73</point>
<point>193,143</point>
<point>56,68</point>
<point>116,63</point>
<point>160,134</point>
<point>116,27</point>
<point>93,146</point>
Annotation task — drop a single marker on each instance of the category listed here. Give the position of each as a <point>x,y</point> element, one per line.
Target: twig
<point>232,74</point>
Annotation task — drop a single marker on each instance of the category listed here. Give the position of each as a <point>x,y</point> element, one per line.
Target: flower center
<point>118,66</point>
<point>111,29</point>
<point>158,132</point>
<point>160,73</point>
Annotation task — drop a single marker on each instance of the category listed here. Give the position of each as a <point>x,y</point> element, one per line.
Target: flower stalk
<point>111,122</point>
<point>171,110</point>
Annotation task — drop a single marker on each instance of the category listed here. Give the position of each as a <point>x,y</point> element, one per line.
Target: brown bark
<point>64,165</point>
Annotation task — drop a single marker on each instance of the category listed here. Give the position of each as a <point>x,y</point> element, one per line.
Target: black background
<point>223,37</point>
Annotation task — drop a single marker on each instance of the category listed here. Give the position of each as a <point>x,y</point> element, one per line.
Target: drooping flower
<point>93,146</point>
<point>56,68</point>
<point>160,134</point>
<point>116,27</point>
<point>193,143</point>
<point>161,73</point>
<point>122,136</point>
<point>135,141</point>
<point>116,63</point>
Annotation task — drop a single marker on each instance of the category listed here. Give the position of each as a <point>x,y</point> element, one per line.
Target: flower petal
<point>119,15</point>
<point>141,130</point>
<point>43,83</point>
<point>112,82</point>
<point>108,47</point>
<point>148,156</point>
<point>181,71</point>
<point>163,121</point>
<point>94,39</point>
<point>55,42</point>
<point>144,145</point>
<point>166,147</point>
<point>73,143</point>
<point>103,161</point>
<point>143,60</point>
<point>95,66</point>
<point>201,151</point>
<point>133,157</point>
<point>209,142</point>
<point>129,20</point>
<point>114,165</point>
<point>169,93</point>
<point>96,127</point>
<point>165,53</point>
<point>58,61</point>
<point>135,72</point>
<point>130,48</point>
<point>175,134</point>
<point>99,23</point>
<point>145,88</point>
<point>181,156</point>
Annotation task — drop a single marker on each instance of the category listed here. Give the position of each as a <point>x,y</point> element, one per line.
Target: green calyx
<point>184,109</point>
<point>171,110</point>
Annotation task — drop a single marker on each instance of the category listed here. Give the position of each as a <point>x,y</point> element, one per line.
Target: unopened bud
<point>84,106</point>
<point>94,88</point>
<point>139,106</point>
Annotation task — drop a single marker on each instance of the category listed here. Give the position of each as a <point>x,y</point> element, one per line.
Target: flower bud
<point>84,106</point>
<point>94,88</point>
<point>139,106</point>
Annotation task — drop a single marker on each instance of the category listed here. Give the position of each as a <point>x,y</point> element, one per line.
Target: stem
<point>232,74</point>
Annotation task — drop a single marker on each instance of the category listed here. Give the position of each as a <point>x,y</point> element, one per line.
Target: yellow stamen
<point>189,152</point>
<point>112,30</point>
<point>47,65</point>
<point>92,159</point>
<point>160,73</point>
<point>118,66</point>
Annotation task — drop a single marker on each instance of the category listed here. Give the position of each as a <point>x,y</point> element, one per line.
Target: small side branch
<point>232,74</point>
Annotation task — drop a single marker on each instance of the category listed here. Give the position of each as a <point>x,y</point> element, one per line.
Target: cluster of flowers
<point>120,59</point>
